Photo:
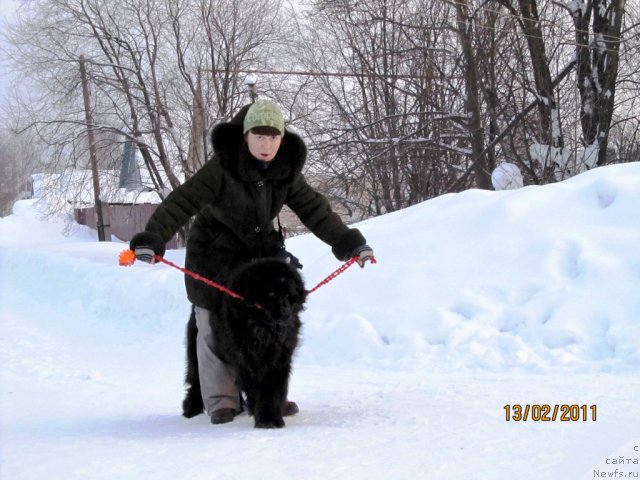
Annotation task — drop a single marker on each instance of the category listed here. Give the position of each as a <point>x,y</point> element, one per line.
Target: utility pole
<point>104,232</point>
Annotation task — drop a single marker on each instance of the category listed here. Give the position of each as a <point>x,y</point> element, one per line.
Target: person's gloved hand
<point>289,257</point>
<point>146,245</point>
<point>364,254</point>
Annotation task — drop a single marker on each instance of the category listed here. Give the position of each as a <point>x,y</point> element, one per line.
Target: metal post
<point>104,233</point>
<point>250,81</point>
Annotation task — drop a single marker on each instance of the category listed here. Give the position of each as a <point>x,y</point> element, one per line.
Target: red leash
<point>337,272</point>
<point>128,257</point>
<point>211,283</point>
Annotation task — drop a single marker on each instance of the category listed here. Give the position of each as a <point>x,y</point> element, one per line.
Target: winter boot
<point>289,408</point>
<point>223,415</point>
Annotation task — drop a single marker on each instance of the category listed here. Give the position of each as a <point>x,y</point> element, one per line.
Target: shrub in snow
<point>507,176</point>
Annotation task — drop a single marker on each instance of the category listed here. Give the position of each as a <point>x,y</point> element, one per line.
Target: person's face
<point>263,147</point>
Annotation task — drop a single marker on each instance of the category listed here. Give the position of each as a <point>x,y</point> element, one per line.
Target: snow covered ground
<point>479,300</point>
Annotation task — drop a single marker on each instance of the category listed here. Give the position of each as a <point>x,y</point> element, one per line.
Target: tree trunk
<point>598,59</point>
<point>474,124</point>
<point>550,134</point>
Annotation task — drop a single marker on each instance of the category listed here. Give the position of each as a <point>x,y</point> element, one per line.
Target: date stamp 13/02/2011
<point>550,413</point>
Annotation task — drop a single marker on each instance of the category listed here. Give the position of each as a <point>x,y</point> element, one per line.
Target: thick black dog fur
<point>258,341</point>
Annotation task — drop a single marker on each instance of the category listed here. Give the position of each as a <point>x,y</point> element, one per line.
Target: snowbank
<point>534,279</point>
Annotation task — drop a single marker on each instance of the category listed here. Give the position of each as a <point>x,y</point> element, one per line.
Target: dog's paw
<point>269,423</point>
<point>192,406</point>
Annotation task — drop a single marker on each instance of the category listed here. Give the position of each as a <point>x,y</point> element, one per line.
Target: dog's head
<point>274,285</point>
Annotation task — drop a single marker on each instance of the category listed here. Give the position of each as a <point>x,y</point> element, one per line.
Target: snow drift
<point>535,279</point>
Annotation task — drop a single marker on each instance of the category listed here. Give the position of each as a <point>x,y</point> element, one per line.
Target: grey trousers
<point>217,379</point>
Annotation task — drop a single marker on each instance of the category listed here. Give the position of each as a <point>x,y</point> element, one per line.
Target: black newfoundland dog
<point>257,336</point>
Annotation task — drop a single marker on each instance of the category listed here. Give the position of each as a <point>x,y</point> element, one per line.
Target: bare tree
<point>624,134</point>
<point>549,132</point>
<point>481,167</point>
<point>598,29</point>
<point>160,73</point>
<point>18,158</point>
<point>400,100</point>
<point>387,132</point>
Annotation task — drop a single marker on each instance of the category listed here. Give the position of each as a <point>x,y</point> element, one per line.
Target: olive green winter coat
<point>235,200</point>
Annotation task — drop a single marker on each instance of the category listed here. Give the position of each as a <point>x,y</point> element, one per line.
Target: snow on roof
<point>75,187</point>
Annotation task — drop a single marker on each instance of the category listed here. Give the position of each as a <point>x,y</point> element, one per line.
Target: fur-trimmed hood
<point>230,147</point>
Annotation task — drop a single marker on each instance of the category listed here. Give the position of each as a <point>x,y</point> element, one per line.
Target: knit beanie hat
<point>263,113</point>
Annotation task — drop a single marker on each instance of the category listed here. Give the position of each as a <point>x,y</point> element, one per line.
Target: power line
<point>308,73</point>
<point>506,16</point>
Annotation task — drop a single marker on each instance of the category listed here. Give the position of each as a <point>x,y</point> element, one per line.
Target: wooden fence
<point>124,219</point>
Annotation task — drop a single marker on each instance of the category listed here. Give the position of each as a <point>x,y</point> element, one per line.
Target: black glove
<point>289,257</point>
<point>146,245</point>
<point>364,254</point>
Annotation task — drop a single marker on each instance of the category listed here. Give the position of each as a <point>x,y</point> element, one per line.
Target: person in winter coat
<point>255,169</point>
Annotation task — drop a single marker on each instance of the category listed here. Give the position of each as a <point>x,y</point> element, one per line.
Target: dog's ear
<point>256,280</point>
<point>296,286</point>
<point>298,290</point>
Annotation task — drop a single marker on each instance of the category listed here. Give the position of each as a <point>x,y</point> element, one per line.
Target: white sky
<point>7,6</point>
